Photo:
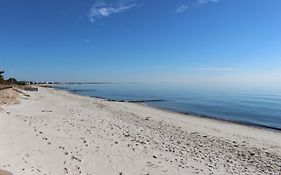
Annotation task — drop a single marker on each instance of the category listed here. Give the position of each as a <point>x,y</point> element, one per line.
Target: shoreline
<point>144,102</point>
<point>56,132</point>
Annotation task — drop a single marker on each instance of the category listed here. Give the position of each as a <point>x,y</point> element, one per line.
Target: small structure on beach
<point>31,89</point>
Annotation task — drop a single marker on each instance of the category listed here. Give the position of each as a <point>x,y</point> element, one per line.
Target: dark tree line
<point>1,76</point>
<point>8,81</point>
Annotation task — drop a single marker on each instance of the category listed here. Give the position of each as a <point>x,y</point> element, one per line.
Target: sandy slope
<point>8,96</point>
<point>55,132</point>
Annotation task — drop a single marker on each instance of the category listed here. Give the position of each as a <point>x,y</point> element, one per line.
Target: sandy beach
<point>54,132</point>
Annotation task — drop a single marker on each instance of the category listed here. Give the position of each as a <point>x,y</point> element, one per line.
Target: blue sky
<point>192,41</point>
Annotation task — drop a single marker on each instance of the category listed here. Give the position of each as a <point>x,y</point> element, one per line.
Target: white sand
<point>55,133</point>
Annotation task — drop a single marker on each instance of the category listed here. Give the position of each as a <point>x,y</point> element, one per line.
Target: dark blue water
<point>247,106</point>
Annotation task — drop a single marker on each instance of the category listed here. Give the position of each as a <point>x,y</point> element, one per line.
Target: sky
<point>227,42</point>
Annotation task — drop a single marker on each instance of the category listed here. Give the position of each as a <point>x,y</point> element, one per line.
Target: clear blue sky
<point>203,41</point>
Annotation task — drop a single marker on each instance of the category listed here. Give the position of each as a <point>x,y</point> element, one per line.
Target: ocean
<point>246,106</point>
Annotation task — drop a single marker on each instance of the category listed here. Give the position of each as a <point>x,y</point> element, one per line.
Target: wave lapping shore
<point>55,132</point>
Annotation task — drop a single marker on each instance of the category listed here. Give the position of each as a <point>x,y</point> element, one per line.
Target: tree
<point>1,75</point>
<point>12,81</point>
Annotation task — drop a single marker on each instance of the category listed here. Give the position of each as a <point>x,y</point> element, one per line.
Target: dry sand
<point>8,96</point>
<point>2,172</point>
<point>54,133</point>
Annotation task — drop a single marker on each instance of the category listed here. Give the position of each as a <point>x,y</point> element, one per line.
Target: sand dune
<point>8,96</point>
<point>54,132</point>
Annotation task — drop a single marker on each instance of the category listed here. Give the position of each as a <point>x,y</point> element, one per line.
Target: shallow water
<point>248,106</point>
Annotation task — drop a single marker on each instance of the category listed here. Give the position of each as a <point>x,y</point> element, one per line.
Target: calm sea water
<point>247,106</point>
